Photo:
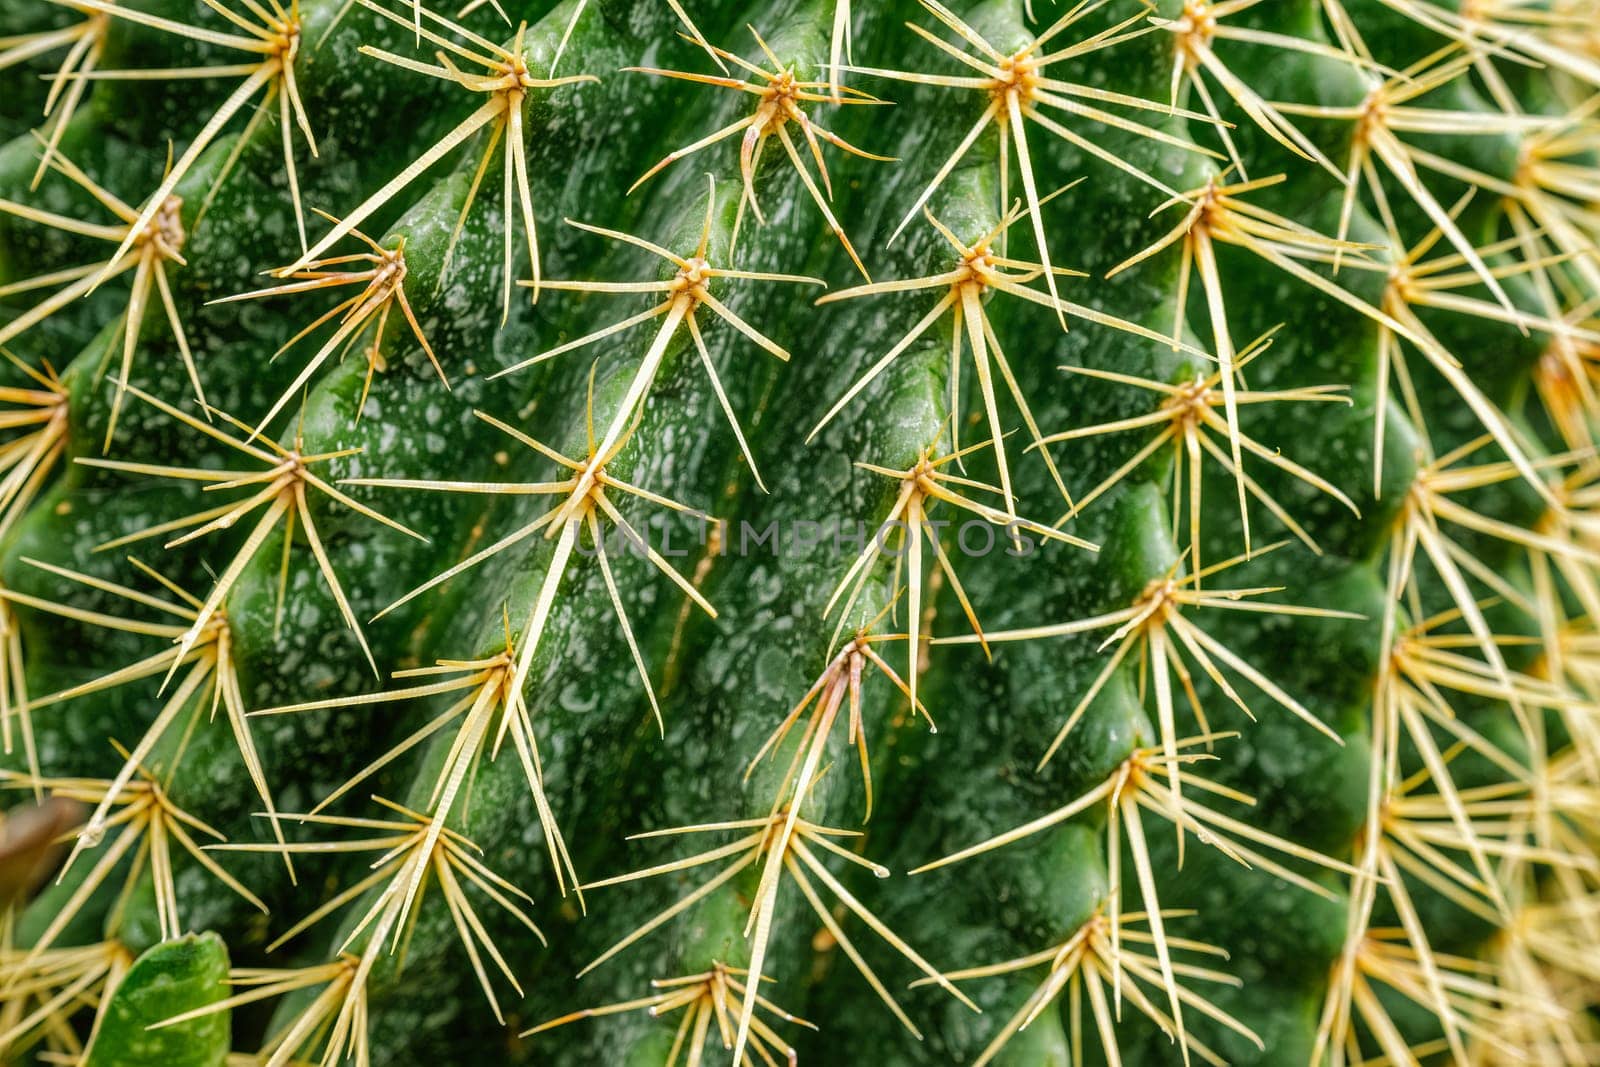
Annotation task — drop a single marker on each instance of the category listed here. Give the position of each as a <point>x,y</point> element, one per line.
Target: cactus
<point>660,531</point>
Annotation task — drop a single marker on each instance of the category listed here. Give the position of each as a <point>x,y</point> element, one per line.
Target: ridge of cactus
<point>675,532</point>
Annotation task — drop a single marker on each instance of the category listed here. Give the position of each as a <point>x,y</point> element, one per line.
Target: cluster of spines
<point>1419,669</point>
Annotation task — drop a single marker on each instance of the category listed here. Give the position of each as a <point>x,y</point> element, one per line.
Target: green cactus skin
<point>171,979</point>
<point>1458,498</point>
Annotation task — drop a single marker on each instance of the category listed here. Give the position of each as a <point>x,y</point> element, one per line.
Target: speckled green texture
<point>724,683</point>
<point>169,979</point>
